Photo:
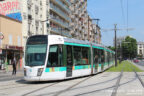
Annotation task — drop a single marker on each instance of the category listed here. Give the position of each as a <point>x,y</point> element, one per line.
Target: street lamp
<point>29,22</point>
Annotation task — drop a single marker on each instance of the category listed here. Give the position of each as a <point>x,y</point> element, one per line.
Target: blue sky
<point>110,12</point>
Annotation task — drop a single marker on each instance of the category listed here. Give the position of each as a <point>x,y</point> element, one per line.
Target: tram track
<point>36,90</point>
<point>60,92</point>
<point>12,87</point>
<point>114,92</point>
<point>141,81</point>
<point>78,88</point>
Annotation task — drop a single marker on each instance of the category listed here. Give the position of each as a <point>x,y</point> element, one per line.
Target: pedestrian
<point>14,66</point>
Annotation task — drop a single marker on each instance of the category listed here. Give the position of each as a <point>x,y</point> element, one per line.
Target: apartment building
<point>46,17</point>
<point>79,19</point>
<point>140,48</point>
<point>97,34</point>
<point>82,25</point>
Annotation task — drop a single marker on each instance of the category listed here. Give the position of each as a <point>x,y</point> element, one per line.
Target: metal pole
<point>43,28</point>
<point>29,33</point>
<point>115,29</point>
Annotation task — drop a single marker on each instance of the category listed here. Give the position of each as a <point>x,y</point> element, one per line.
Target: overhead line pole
<point>115,29</point>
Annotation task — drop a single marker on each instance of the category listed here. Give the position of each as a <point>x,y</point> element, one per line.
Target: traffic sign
<point>1,36</point>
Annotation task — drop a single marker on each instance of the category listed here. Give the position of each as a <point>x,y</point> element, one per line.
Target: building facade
<point>79,19</point>
<point>11,43</point>
<point>140,49</point>
<point>82,25</point>
<point>46,17</point>
<point>97,34</point>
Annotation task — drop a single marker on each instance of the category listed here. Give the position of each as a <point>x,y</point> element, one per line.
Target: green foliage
<point>129,48</point>
<point>126,66</point>
<point>112,48</point>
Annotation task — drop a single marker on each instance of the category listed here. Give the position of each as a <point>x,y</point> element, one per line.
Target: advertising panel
<point>11,8</point>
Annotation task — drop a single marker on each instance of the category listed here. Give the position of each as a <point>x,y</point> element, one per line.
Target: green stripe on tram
<point>97,47</point>
<point>55,69</point>
<point>76,44</point>
<point>82,67</point>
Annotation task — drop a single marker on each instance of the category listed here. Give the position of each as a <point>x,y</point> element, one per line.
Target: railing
<point>63,6</point>
<point>59,21</point>
<point>68,2</point>
<point>59,12</point>
<point>61,31</point>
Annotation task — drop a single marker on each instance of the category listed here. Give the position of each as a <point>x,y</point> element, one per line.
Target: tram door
<point>69,61</point>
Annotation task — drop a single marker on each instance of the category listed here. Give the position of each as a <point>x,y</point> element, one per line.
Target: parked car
<point>136,61</point>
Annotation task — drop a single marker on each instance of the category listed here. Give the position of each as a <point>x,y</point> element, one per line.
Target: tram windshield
<point>36,51</point>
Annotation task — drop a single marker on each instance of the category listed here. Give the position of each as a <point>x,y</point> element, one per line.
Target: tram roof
<point>72,40</point>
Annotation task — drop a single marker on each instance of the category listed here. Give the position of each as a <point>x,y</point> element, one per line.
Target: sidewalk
<point>7,76</point>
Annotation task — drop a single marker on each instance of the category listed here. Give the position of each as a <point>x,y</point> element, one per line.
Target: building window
<point>36,9</point>
<point>10,39</point>
<point>19,41</point>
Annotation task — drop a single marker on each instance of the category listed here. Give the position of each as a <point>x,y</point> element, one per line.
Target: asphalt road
<point>141,63</point>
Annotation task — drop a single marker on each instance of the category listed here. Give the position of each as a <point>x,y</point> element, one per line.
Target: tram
<point>53,57</point>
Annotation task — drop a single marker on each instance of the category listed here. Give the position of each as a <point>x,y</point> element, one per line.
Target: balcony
<point>68,2</point>
<point>60,22</point>
<point>61,32</point>
<point>61,13</point>
<point>62,5</point>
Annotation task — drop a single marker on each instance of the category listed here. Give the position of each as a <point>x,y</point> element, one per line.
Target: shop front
<point>8,54</point>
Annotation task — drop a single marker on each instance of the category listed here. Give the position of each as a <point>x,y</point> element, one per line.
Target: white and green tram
<point>53,57</point>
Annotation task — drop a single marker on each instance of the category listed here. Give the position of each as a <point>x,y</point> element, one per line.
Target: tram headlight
<point>40,70</point>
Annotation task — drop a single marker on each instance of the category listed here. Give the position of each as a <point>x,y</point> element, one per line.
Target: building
<point>11,43</point>
<point>82,25</point>
<point>11,32</point>
<point>97,34</point>
<point>79,19</point>
<point>46,17</point>
<point>140,49</point>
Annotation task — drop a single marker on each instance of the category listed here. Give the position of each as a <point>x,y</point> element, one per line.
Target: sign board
<point>1,36</point>
<point>11,8</point>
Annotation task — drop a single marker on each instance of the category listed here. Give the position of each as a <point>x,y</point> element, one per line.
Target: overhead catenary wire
<point>123,15</point>
<point>127,14</point>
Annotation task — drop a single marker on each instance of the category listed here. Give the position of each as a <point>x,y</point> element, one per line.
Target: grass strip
<point>127,67</point>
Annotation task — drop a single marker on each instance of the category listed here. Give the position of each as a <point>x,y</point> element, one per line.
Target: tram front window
<point>35,55</point>
<point>36,51</point>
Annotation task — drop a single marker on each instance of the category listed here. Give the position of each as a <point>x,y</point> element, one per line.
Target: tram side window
<point>77,55</point>
<point>85,55</point>
<point>106,56</point>
<point>55,56</point>
<point>102,56</point>
<point>96,56</point>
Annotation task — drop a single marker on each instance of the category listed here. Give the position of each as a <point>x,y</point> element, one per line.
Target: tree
<point>129,47</point>
<point>112,48</point>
